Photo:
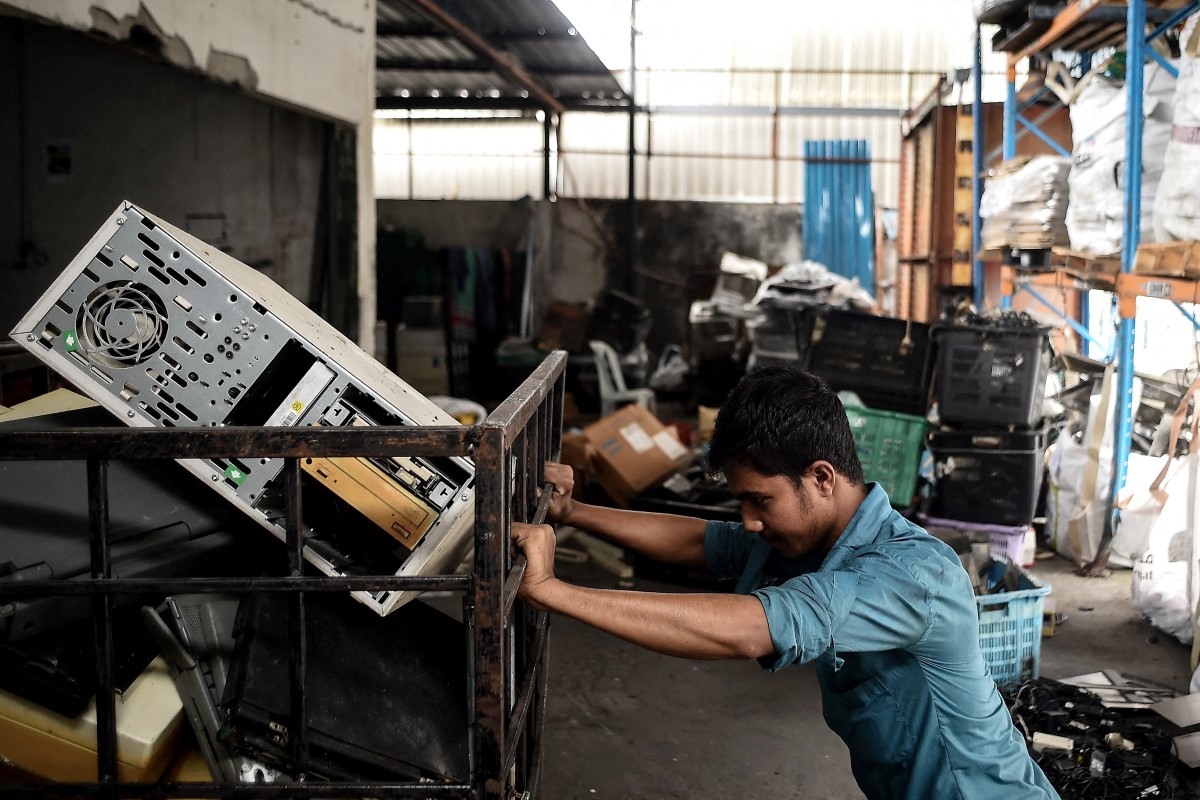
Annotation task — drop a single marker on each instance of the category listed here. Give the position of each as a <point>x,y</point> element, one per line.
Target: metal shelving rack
<point>508,640</point>
<point>1082,27</point>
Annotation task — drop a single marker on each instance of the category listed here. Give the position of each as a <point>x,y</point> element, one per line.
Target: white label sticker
<point>670,445</point>
<point>302,395</point>
<point>637,437</point>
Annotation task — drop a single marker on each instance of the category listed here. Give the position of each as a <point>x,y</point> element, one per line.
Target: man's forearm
<point>708,626</point>
<point>662,537</point>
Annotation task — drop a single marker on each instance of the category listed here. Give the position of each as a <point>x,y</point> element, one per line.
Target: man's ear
<point>824,476</point>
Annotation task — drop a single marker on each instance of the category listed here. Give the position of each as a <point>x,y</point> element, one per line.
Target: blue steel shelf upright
<point>1082,27</point>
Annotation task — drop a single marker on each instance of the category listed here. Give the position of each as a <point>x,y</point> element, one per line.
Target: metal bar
<point>1036,131</point>
<point>1167,65</point>
<point>783,111</point>
<point>1123,423</point>
<point>1020,132</point>
<point>1192,319</point>
<point>631,163</point>
<point>1085,316</point>
<point>547,159</point>
<point>298,665</point>
<point>237,790</point>
<point>516,722</point>
<point>180,443</point>
<point>1170,22</point>
<point>492,513</point>
<point>476,44</point>
<point>1082,331</point>
<point>977,167</point>
<point>341,583</point>
<point>519,563</point>
<point>1034,98</point>
<point>106,704</point>
<point>1010,115</point>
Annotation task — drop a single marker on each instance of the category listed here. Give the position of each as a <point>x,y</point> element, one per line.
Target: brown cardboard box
<point>577,454</point>
<point>633,451</point>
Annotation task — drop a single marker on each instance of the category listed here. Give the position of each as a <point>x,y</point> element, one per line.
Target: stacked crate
<point>886,363</point>
<point>987,450</point>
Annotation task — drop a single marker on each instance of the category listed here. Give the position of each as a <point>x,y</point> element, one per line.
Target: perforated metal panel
<point>164,330</point>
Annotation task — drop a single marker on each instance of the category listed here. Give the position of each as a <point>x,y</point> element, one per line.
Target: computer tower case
<point>165,330</point>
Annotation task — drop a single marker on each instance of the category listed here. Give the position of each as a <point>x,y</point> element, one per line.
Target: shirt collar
<point>862,529</point>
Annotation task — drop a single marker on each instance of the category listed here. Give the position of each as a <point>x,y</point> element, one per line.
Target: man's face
<point>787,516</point>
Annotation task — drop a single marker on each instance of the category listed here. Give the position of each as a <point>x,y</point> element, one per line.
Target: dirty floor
<point>626,724</point>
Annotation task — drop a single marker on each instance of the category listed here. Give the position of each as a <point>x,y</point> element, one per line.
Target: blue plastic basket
<point>1010,630</point>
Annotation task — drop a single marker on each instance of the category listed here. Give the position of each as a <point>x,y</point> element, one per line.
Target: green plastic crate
<point>889,447</point>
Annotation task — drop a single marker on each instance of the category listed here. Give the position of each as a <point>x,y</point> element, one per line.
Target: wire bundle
<point>1116,753</point>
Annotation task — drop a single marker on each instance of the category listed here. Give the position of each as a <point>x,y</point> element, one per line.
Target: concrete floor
<point>626,724</point>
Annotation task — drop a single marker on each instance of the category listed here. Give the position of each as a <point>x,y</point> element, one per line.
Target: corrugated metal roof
<point>473,53</point>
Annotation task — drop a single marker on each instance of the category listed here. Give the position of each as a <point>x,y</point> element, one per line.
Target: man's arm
<point>709,626</point>
<point>663,537</point>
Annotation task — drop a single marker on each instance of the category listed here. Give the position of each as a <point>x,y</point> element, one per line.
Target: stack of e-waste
<point>1024,204</point>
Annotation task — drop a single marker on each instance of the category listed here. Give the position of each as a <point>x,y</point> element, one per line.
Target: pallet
<point>1168,259</point>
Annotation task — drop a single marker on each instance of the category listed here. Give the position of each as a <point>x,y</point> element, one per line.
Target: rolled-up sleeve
<point>873,604</point>
<point>727,548</point>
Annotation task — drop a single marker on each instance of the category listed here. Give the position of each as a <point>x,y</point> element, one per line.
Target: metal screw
<point>29,338</point>
<point>464,497</point>
<point>120,220</point>
<point>216,478</point>
<point>236,329</point>
<point>129,414</point>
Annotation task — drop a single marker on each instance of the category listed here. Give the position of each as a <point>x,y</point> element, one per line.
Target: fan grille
<point>122,324</point>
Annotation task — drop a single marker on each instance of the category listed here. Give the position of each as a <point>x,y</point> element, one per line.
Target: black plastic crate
<point>987,476</point>
<point>992,375</point>
<point>885,361</point>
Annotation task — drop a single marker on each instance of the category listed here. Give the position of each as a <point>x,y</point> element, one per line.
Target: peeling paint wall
<point>314,54</point>
<point>317,56</point>
<point>91,125</point>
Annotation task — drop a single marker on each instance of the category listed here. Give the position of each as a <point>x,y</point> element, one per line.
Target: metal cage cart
<point>507,640</point>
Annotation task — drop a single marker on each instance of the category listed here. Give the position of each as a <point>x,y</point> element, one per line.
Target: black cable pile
<point>1116,753</point>
<point>1007,320</point>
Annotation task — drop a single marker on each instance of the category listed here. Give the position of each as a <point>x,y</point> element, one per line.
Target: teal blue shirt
<point>889,618</point>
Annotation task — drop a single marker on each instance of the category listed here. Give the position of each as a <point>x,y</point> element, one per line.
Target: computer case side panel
<point>164,330</point>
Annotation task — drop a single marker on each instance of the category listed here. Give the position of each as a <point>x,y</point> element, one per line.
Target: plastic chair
<point>613,393</point>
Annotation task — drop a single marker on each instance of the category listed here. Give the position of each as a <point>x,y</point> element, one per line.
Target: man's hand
<point>563,478</point>
<point>537,542</point>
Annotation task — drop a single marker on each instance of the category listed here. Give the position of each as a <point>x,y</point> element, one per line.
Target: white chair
<point>613,393</point>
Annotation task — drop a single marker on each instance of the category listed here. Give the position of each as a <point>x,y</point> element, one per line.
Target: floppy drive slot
<point>375,495</point>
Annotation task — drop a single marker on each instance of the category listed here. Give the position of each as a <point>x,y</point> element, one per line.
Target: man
<point>827,572</point>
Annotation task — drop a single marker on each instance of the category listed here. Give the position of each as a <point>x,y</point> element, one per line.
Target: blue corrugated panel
<point>839,208</point>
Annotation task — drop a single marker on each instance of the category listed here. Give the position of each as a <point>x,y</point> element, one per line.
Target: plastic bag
<point>671,373</point>
<point>1166,581</point>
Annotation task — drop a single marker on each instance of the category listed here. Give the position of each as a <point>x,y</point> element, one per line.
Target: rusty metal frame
<point>509,639</point>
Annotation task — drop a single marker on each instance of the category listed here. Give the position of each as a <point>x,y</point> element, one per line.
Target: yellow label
<point>297,406</point>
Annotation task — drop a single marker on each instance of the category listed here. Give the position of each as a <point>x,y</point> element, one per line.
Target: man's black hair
<point>778,421</point>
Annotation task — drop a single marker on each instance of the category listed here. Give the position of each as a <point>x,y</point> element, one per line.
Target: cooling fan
<point>122,324</point>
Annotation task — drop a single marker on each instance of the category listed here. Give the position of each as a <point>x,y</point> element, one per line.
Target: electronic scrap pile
<point>1091,746</point>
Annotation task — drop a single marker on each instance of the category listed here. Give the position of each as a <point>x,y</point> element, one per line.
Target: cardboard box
<point>577,453</point>
<point>633,451</point>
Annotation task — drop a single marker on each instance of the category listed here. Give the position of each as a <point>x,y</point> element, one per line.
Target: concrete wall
<point>316,54</point>
<point>312,56</point>
<point>94,124</point>
<point>579,246</point>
